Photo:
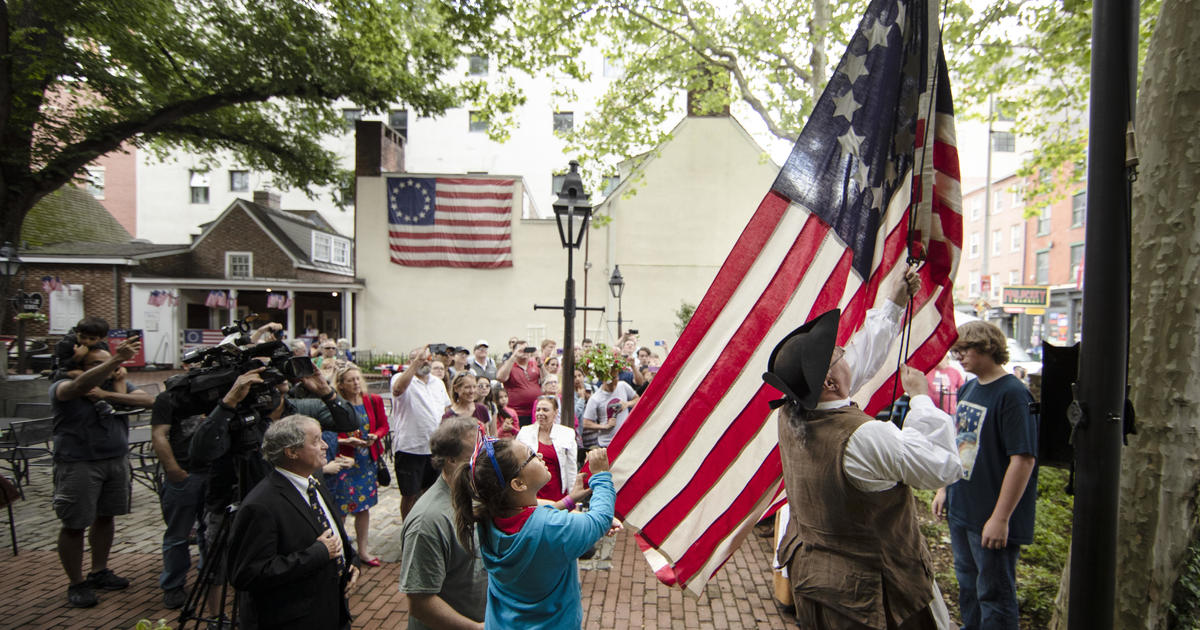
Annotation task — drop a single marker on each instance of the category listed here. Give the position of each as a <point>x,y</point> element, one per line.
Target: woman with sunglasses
<point>555,444</point>
<point>530,551</point>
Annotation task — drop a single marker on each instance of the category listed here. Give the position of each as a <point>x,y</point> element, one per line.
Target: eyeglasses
<point>838,354</point>
<point>532,454</point>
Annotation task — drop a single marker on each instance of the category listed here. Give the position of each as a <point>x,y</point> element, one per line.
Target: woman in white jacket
<point>555,444</point>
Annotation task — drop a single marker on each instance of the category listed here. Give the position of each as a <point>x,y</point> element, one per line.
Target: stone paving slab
<point>33,585</point>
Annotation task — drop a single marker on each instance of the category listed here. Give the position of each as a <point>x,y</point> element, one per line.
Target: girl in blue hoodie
<point>529,551</point>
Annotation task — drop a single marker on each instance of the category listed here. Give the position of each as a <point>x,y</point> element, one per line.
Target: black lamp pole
<point>572,211</point>
<point>616,284</point>
<point>9,268</point>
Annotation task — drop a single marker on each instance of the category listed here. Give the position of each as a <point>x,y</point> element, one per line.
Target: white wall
<point>669,239</point>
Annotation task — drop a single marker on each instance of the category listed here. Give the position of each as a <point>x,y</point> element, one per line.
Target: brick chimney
<point>377,149</point>
<point>708,83</point>
<point>268,198</point>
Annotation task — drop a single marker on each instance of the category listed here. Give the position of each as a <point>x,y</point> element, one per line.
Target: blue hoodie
<point>534,574</point>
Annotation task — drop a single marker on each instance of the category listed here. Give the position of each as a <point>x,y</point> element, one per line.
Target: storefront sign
<point>29,302</point>
<point>1030,297</point>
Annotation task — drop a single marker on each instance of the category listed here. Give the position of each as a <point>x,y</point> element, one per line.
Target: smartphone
<point>529,349</point>
<point>559,351</point>
<point>660,342</point>
<point>633,331</point>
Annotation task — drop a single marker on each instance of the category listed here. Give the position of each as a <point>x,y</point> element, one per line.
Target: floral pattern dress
<point>356,488</point>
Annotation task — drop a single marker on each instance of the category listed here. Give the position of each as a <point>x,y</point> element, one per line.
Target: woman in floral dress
<point>357,488</point>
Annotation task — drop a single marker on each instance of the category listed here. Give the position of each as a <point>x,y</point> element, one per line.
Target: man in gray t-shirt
<point>606,411</point>
<point>446,585</point>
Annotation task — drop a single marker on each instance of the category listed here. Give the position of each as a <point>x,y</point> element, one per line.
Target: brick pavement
<point>33,586</point>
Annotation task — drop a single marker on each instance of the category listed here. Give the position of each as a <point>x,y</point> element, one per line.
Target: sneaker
<point>107,580</point>
<point>174,598</point>
<point>81,595</point>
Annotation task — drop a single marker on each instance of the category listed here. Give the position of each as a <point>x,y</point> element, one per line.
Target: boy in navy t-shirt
<point>991,510</point>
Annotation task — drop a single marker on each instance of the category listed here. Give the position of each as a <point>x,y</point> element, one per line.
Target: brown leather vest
<point>846,548</point>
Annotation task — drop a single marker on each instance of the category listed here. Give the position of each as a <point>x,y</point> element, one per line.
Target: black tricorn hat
<point>798,365</point>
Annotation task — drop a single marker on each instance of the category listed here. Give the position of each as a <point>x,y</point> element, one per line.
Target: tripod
<point>197,598</point>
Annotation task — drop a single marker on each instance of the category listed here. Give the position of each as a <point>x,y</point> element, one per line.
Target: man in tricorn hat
<point>855,556</point>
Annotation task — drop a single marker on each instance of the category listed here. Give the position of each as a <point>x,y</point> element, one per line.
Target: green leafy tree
<point>1031,55</point>
<point>80,77</point>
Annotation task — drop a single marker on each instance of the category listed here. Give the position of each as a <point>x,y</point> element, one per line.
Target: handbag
<point>382,475</point>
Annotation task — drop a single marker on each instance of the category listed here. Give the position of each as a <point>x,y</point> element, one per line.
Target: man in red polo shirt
<point>519,373</point>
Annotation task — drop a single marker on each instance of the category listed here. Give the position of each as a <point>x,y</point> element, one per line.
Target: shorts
<point>84,491</point>
<point>414,473</point>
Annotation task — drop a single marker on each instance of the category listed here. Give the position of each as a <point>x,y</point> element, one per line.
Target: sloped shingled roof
<point>294,231</point>
<point>71,215</point>
<point>132,249</point>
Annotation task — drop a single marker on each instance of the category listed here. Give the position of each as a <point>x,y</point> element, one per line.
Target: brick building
<point>251,250</point>
<point>1024,244</point>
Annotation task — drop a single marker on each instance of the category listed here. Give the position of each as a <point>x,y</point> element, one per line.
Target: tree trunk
<point>1160,472</point>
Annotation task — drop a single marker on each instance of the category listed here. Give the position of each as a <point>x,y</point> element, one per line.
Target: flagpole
<point>1104,352</point>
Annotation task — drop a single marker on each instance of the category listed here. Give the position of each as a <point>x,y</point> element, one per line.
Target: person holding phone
<point>91,469</point>
<point>522,380</point>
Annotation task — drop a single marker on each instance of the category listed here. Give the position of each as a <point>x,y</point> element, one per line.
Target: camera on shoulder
<point>213,370</point>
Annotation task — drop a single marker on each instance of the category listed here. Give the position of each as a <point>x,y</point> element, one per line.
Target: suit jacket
<point>284,575</point>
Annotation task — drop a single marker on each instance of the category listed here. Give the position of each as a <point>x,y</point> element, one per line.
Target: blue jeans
<point>182,507</point>
<point>987,581</point>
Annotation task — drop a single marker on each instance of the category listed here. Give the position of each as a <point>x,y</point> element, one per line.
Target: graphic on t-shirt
<point>613,408</point>
<point>969,420</point>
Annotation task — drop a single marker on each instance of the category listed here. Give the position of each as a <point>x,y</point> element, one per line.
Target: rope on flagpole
<point>915,257</point>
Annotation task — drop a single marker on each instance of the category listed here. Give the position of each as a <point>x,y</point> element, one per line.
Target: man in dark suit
<point>292,562</point>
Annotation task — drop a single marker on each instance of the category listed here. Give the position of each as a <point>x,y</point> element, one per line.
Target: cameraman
<point>229,439</point>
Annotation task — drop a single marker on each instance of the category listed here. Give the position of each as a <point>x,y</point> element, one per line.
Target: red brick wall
<point>98,296</point>
<point>240,233</point>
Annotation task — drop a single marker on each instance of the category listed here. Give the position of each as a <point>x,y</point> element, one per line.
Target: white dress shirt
<point>301,484</point>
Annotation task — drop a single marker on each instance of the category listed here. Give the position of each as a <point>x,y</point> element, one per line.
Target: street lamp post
<point>10,266</point>
<point>616,284</point>
<point>572,211</point>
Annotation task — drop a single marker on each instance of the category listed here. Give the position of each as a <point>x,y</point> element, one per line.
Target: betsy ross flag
<point>871,181</point>
<point>450,221</point>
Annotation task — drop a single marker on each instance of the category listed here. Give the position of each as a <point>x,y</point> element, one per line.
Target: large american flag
<point>450,221</point>
<point>697,463</point>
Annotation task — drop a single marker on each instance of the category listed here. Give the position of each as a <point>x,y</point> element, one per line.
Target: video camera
<point>213,371</point>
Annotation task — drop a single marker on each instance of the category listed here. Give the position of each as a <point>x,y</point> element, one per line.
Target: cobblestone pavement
<point>33,585</point>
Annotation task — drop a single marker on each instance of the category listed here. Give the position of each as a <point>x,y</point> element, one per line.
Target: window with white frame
<point>1004,141</point>
<point>613,68</point>
<point>1078,208</point>
<point>322,247</point>
<point>477,66</point>
<point>341,252</point>
<point>997,241</point>
<point>995,285</point>
<point>95,181</point>
<point>976,207</point>
<point>477,122</point>
<point>997,201</point>
<point>1015,237</point>
<point>1014,277</point>
<point>239,181</point>
<point>1043,224</point>
<point>1041,267</point>
<point>198,185</point>
<point>564,122</point>
<point>239,264</point>
<point>973,247</point>
<point>973,284</point>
